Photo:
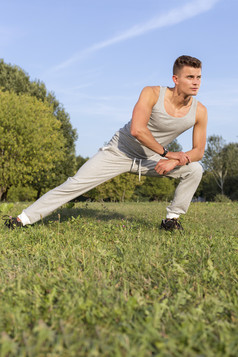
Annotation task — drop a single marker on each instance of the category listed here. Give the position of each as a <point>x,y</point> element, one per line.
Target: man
<point>159,116</point>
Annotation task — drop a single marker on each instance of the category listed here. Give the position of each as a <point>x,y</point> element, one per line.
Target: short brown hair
<point>186,61</point>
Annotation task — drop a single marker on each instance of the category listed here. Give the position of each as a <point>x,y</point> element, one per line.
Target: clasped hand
<point>175,159</point>
<point>182,157</point>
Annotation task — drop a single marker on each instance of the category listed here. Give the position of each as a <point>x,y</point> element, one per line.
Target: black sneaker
<point>171,224</point>
<point>12,222</point>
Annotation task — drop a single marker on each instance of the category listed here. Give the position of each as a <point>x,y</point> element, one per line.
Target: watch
<point>165,152</point>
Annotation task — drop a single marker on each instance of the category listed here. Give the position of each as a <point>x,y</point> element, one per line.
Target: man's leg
<point>190,177</point>
<point>105,165</point>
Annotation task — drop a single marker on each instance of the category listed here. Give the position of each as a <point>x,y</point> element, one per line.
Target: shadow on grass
<point>102,214</point>
<point>65,214</point>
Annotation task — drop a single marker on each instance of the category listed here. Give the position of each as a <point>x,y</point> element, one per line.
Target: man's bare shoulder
<point>151,89</point>
<point>151,93</point>
<point>201,108</point>
<point>201,112</point>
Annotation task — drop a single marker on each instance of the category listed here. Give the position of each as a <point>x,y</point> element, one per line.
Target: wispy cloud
<point>173,17</point>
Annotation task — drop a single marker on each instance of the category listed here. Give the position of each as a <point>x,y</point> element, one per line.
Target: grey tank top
<point>164,127</point>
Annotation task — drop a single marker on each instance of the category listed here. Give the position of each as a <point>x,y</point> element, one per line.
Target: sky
<point>97,55</point>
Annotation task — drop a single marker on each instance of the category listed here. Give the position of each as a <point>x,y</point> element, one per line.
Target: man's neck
<point>179,99</point>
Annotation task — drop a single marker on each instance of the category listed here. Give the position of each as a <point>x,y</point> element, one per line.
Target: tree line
<point>37,151</point>
<point>220,162</point>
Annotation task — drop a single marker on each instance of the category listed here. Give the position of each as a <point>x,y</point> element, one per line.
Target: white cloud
<point>173,17</point>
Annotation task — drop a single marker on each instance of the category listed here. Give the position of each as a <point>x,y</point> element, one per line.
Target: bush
<point>208,189</point>
<point>32,142</point>
<point>231,187</point>
<point>19,194</point>
<point>156,189</point>
<point>221,198</point>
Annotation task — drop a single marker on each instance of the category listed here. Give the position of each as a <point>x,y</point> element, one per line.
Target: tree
<point>119,189</point>
<point>13,78</point>
<point>231,183</point>
<point>214,160</point>
<point>31,140</point>
<point>208,189</point>
<point>231,187</point>
<point>157,189</point>
<point>80,161</point>
<point>230,154</point>
<point>174,146</point>
<point>221,160</point>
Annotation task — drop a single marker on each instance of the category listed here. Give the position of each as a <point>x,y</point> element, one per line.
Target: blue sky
<point>97,55</point>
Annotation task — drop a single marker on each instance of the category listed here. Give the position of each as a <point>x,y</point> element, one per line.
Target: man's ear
<point>175,79</point>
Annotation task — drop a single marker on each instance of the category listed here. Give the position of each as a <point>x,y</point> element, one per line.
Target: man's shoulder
<point>201,114</point>
<point>151,92</point>
<point>201,109</point>
<point>151,89</point>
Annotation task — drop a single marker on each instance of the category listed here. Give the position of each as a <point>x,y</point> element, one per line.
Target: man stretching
<point>160,115</point>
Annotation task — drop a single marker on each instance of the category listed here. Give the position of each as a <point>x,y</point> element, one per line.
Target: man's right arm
<point>141,115</point>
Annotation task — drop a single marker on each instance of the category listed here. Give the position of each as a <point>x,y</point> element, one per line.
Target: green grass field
<point>101,279</point>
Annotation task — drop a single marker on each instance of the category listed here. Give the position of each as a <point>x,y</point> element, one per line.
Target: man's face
<point>188,80</point>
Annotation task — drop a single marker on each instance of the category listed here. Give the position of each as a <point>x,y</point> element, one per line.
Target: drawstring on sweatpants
<point>139,166</point>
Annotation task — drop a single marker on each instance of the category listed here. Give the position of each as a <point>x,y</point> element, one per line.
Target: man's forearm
<point>195,154</point>
<point>146,138</point>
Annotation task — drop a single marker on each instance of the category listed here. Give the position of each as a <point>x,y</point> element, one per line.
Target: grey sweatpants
<point>106,164</point>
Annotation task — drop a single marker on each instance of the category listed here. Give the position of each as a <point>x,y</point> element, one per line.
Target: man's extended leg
<point>106,164</point>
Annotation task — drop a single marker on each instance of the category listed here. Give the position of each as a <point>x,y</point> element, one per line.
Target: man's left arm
<point>199,134</point>
<point>199,143</point>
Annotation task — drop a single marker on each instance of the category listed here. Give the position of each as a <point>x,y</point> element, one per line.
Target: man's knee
<point>196,169</point>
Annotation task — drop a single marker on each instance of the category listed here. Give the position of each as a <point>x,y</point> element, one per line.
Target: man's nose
<point>196,81</point>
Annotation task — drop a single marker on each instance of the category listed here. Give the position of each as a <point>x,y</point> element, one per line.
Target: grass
<point>101,279</point>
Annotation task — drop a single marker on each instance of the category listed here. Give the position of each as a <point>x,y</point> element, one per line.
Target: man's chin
<point>194,92</point>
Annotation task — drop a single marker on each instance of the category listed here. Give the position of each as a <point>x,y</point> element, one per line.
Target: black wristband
<point>165,152</point>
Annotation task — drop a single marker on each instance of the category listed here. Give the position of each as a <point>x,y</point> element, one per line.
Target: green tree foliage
<point>80,161</point>
<point>31,140</point>
<point>13,78</point>
<point>230,154</point>
<point>221,165</point>
<point>21,194</point>
<point>231,187</point>
<point>231,184</point>
<point>119,189</point>
<point>208,188</point>
<point>174,146</point>
<point>214,160</point>
<point>156,189</point>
